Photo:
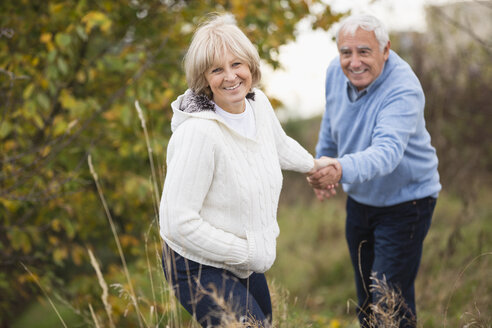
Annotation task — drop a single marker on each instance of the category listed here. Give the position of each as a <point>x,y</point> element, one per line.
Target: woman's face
<point>230,81</point>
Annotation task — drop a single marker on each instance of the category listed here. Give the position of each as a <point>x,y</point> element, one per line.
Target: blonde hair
<point>211,41</point>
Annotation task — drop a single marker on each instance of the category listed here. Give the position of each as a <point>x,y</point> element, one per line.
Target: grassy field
<point>312,279</point>
<point>454,286</point>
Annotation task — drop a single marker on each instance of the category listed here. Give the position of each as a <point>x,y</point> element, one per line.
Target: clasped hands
<point>324,177</point>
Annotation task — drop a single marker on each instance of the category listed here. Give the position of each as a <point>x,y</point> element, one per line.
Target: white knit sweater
<point>221,192</point>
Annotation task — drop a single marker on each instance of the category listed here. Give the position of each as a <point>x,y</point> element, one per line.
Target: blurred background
<point>70,73</point>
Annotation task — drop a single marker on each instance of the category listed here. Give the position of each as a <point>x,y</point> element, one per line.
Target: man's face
<point>360,57</point>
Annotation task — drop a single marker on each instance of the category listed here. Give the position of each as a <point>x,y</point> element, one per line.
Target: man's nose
<point>355,60</point>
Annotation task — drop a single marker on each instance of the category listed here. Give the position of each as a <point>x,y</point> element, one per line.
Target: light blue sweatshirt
<point>380,139</point>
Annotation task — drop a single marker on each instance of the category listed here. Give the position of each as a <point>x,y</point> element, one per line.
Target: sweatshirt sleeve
<point>190,170</point>
<point>292,156</point>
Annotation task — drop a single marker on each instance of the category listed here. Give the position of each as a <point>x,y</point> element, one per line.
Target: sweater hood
<point>191,104</point>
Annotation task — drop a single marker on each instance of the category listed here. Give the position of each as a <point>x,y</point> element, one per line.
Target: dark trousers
<point>215,296</point>
<point>387,242</point>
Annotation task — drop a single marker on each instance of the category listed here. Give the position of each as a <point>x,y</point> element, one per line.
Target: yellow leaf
<point>334,323</point>
<point>9,145</point>
<point>10,205</point>
<point>59,125</point>
<point>60,254</point>
<point>69,102</point>
<point>56,8</point>
<point>77,254</point>
<point>56,225</point>
<point>127,240</point>
<point>92,74</point>
<point>53,240</point>
<point>80,76</point>
<point>96,19</point>
<point>44,83</point>
<point>28,91</point>
<point>114,113</point>
<point>72,124</point>
<point>66,99</point>
<point>46,37</point>
<point>28,277</point>
<point>169,93</point>
<point>45,151</point>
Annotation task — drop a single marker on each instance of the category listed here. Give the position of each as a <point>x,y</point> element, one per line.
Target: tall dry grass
<point>173,314</point>
<point>160,308</point>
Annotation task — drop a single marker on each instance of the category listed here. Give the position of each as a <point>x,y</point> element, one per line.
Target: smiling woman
<point>220,56</point>
<point>224,160</point>
<point>230,81</point>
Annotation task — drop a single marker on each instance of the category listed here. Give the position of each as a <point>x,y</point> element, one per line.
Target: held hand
<point>328,174</point>
<point>322,194</point>
<point>322,162</point>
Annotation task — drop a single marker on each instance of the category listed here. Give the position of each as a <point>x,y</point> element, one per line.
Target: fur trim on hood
<point>193,102</point>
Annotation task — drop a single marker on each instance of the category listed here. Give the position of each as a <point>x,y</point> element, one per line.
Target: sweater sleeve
<point>326,146</point>
<point>190,170</point>
<point>396,121</point>
<point>292,156</point>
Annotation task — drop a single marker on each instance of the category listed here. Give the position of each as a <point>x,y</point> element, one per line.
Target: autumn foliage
<point>70,72</point>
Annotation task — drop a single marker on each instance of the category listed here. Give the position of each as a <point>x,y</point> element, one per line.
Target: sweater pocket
<point>262,248</point>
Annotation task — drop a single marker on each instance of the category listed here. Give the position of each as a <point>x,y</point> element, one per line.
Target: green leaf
<point>43,100</point>
<point>62,65</point>
<point>62,40</point>
<point>28,91</point>
<point>5,128</point>
<point>19,240</point>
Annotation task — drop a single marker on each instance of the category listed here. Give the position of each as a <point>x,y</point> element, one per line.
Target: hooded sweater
<point>221,192</point>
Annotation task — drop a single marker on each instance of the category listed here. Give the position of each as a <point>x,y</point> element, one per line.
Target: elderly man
<point>374,126</point>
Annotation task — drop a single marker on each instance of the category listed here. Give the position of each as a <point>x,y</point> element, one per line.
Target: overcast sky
<point>300,85</point>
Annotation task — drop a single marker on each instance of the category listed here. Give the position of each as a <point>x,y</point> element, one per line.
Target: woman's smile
<point>230,81</point>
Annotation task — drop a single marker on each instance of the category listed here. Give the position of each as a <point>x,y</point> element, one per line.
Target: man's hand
<point>326,173</point>
<point>323,194</point>
<point>322,162</point>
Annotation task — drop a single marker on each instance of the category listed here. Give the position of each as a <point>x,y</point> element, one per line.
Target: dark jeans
<point>387,242</point>
<point>199,288</point>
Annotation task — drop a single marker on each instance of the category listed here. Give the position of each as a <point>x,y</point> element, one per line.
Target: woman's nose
<point>230,75</point>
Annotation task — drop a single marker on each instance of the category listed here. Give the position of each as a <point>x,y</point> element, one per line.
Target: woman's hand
<point>324,177</point>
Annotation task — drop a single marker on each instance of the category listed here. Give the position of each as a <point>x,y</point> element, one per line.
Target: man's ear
<point>386,50</point>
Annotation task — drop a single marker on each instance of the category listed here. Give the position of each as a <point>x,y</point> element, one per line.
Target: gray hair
<point>368,23</point>
<point>211,41</point>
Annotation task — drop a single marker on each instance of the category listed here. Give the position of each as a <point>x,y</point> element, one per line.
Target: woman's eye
<point>216,70</point>
<point>236,64</point>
